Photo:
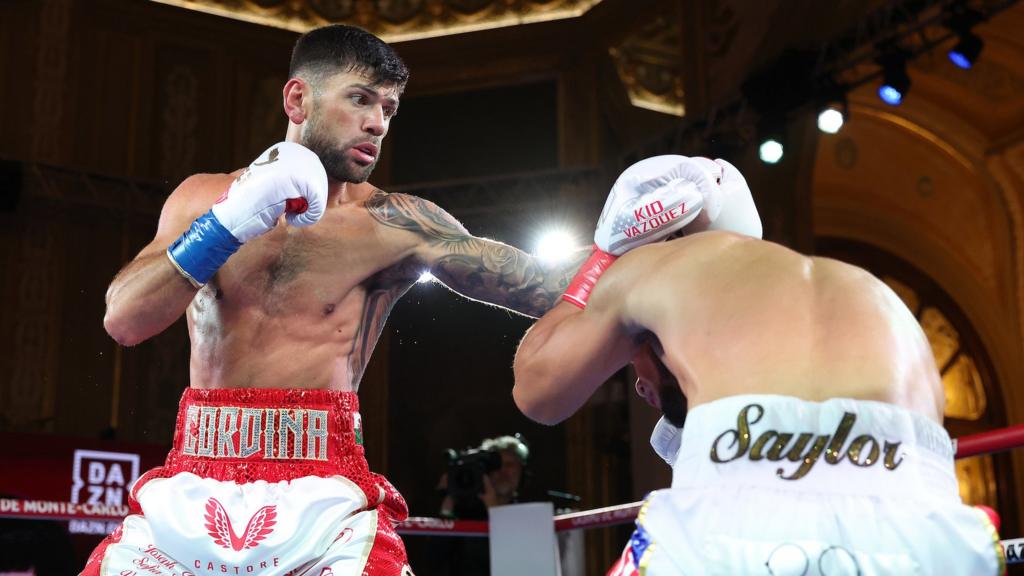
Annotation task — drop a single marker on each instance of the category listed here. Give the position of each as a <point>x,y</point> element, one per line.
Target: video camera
<point>466,471</point>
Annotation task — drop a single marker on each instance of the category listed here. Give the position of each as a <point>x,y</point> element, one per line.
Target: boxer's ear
<point>641,388</point>
<point>297,98</point>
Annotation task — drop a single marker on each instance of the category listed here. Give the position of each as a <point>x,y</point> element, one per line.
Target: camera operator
<point>477,479</point>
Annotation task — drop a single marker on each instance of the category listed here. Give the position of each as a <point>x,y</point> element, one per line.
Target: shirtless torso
<point>303,307</point>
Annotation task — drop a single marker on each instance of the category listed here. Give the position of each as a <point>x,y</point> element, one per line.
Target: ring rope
<point>984,443</point>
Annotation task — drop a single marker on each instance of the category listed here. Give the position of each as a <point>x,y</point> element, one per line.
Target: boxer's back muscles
<point>303,307</point>
<point>733,315</point>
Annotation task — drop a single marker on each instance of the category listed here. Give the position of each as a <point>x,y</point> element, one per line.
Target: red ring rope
<point>984,443</point>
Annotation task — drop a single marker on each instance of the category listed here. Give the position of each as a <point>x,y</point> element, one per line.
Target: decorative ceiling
<point>649,65</point>
<point>392,20</point>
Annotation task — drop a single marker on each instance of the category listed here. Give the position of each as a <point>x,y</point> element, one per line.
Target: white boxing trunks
<point>261,483</point>
<point>780,486</point>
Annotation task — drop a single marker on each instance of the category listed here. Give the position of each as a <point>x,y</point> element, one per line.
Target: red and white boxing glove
<point>649,201</point>
<point>287,177</point>
<point>654,198</point>
<point>658,196</point>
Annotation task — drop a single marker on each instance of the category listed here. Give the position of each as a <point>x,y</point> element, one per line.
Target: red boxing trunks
<point>264,483</point>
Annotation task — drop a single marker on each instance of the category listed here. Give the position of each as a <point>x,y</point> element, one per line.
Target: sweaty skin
<point>304,307</point>
<point>727,315</point>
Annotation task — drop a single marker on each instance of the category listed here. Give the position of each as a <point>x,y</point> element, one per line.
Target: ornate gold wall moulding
<point>649,64</point>
<point>392,20</point>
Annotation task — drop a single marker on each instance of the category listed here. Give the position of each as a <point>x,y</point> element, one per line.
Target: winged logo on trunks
<point>218,526</point>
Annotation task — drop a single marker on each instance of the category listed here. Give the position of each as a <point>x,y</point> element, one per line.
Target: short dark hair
<point>514,444</point>
<point>340,48</point>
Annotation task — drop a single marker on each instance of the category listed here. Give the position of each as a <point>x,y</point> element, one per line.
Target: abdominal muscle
<point>294,345</point>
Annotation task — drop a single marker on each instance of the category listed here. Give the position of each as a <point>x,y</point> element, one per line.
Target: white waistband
<point>837,446</point>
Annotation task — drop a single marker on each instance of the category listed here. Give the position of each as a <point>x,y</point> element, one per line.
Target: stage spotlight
<point>555,246</point>
<point>830,120</point>
<point>833,106</point>
<point>890,95</point>
<point>967,50</point>
<point>770,151</point>
<point>771,129</point>
<point>968,47</point>
<point>895,81</point>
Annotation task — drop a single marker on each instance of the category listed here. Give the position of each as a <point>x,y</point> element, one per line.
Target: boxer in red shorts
<point>286,272</point>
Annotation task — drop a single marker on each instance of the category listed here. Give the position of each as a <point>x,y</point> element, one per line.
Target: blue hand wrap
<point>202,249</point>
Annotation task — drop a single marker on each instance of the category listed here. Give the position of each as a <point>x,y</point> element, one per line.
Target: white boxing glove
<point>654,198</point>
<point>649,201</point>
<point>287,177</point>
<point>738,213</point>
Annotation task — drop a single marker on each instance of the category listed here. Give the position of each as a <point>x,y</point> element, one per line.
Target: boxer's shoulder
<point>625,277</point>
<point>643,274</point>
<point>692,250</point>
<point>193,197</point>
<point>205,187</point>
<point>204,180</point>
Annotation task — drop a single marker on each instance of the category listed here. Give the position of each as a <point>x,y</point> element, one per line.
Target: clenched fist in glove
<point>287,178</point>
<point>657,197</point>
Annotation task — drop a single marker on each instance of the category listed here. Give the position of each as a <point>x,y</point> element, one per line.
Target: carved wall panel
<point>259,115</point>
<point>179,121</point>
<point>36,325</point>
<point>51,55</point>
<point>109,117</point>
<point>64,245</point>
<point>84,365</point>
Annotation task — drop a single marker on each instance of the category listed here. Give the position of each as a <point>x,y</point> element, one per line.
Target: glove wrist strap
<point>202,249</point>
<point>578,291</point>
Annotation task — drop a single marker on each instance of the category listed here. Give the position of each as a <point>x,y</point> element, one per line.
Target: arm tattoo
<point>383,290</point>
<point>476,267</point>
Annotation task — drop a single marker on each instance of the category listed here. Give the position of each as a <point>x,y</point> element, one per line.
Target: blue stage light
<point>895,81</point>
<point>967,50</point>
<point>890,95</point>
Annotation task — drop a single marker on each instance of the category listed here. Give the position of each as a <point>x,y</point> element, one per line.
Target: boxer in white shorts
<point>813,443</point>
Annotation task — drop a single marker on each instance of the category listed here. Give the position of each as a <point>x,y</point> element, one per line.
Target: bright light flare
<point>771,151</point>
<point>830,121</point>
<point>555,246</point>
